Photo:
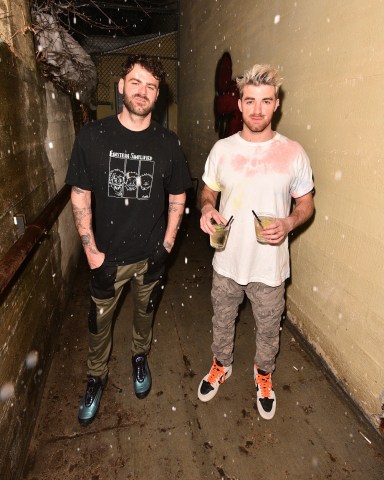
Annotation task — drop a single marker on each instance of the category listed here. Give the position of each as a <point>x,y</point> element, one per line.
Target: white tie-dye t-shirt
<point>263,177</point>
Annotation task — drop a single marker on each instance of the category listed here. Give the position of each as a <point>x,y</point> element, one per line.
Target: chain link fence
<point>109,65</point>
<point>108,52</point>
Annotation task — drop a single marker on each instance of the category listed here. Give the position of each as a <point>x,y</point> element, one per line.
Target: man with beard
<point>122,221</point>
<point>259,170</point>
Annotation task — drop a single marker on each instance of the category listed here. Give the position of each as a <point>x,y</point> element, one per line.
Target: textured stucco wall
<point>331,57</point>
<point>36,135</point>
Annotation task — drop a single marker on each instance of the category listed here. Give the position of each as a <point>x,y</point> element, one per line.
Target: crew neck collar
<point>147,129</point>
<point>266,142</point>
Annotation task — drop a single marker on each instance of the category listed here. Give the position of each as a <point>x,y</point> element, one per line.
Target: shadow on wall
<point>227,114</point>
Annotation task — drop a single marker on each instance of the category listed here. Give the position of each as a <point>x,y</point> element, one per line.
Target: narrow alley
<point>316,433</point>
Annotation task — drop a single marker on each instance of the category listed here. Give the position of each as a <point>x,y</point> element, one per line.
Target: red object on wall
<point>223,73</point>
<point>228,119</point>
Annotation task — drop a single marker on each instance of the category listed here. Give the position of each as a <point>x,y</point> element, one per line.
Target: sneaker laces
<point>217,373</point>
<point>92,389</point>
<point>140,371</point>
<point>264,383</point>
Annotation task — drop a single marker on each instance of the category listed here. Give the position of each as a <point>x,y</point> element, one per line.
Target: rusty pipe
<point>19,252</point>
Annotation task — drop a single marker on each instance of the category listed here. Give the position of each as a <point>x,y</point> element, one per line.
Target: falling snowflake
<point>338,175</point>
<point>7,391</point>
<point>32,359</point>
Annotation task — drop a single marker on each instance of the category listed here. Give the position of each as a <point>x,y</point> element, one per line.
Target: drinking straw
<point>229,221</point>
<point>258,219</point>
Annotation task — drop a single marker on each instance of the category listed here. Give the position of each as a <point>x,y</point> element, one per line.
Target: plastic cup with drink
<point>262,219</point>
<point>219,238</point>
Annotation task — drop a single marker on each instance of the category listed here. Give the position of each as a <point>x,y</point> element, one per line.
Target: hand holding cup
<point>262,220</point>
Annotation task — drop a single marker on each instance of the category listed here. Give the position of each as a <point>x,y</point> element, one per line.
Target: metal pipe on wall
<point>19,252</point>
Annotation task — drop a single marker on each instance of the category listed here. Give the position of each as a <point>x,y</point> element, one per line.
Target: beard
<point>256,127</point>
<point>140,109</point>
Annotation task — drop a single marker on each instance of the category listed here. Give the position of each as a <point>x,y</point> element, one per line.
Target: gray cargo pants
<point>267,307</point>
<point>106,286</point>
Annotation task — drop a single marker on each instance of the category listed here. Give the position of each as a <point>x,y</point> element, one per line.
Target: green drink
<point>265,219</point>
<point>219,238</point>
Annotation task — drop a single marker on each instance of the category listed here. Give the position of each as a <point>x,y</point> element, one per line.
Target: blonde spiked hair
<point>260,75</point>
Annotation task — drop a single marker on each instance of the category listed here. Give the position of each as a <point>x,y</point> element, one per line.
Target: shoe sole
<point>212,393</point>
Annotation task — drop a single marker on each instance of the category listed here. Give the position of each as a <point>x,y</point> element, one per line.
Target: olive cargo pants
<point>106,286</point>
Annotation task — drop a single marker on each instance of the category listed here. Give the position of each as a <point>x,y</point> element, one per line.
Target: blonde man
<point>261,170</point>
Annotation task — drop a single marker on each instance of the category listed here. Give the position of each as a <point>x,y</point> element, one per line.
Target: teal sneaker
<point>91,400</point>
<point>141,374</point>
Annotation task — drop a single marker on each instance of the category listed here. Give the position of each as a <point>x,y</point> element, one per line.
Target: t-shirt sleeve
<point>210,172</point>
<point>179,179</point>
<point>78,172</point>
<point>302,182</point>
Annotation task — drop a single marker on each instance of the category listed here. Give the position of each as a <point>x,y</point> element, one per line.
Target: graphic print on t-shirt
<point>130,175</point>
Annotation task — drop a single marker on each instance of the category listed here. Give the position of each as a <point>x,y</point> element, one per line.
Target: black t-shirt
<point>130,174</point>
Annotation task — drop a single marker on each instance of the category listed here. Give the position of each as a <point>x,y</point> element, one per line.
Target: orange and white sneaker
<point>210,383</point>
<point>266,398</point>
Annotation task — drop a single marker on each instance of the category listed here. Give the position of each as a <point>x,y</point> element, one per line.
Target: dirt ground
<point>316,433</point>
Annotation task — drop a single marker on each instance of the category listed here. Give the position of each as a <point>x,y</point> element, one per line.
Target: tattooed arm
<point>82,213</point>
<point>175,215</point>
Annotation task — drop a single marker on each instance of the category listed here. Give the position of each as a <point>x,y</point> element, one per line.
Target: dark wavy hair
<point>152,64</point>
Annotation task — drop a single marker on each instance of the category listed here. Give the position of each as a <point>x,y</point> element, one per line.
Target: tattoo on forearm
<point>173,233</point>
<point>86,239</point>
<point>175,206</point>
<point>87,242</point>
<point>80,214</point>
<point>77,190</point>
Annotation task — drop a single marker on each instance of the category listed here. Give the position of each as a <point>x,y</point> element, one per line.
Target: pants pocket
<point>102,282</point>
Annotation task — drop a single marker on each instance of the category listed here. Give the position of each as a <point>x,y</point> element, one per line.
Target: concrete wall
<point>36,136</point>
<point>331,57</point>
